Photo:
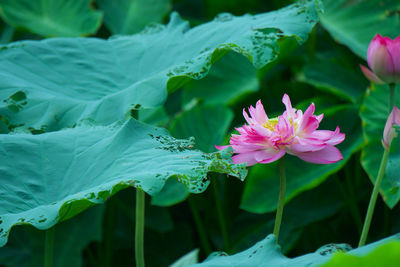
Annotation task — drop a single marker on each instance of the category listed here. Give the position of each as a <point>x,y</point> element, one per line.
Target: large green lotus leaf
<point>262,185</point>
<point>131,16</point>
<point>229,79</point>
<point>336,72</point>
<point>69,80</point>
<point>62,18</point>
<point>26,245</point>
<point>267,253</point>
<point>355,23</point>
<point>208,125</point>
<point>51,177</point>
<point>374,113</point>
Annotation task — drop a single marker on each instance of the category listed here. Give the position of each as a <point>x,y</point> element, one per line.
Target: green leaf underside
<point>56,18</point>
<point>172,193</point>
<point>374,114</point>
<point>155,116</point>
<point>26,245</point>
<point>266,253</point>
<point>262,184</point>
<point>208,125</point>
<point>51,177</point>
<point>67,81</point>
<point>131,16</point>
<point>231,78</point>
<point>355,23</point>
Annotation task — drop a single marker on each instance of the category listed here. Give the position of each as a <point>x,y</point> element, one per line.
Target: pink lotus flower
<point>265,140</point>
<point>384,60</point>
<point>389,132</point>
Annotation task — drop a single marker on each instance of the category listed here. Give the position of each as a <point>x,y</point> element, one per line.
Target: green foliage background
<point>70,139</point>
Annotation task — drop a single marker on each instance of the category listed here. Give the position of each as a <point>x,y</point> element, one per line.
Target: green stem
<point>49,247</point>
<point>392,87</point>
<point>281,201</point>
<point>220,214</point>
<point>374,196</point>
<point>200,227</point>
<point>139,230</point>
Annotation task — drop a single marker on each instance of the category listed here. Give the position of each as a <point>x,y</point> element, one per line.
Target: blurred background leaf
<point>335,71</point>
<point>231,79</point>
<point>131,16</point>
<point>26,245</point>
<point>374,113</point>
<point>355,23</point>
<point>52,18</point>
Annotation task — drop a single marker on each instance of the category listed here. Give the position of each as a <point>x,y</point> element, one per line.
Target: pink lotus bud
<point>389,132</point>
<point>384,60</point>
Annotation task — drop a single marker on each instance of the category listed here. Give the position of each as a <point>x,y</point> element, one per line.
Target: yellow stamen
<point>293,123</point>
<point>270,123</point>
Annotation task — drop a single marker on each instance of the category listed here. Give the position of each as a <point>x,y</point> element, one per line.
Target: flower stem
<point>281,201</point>
<point>139,229</point>
<point>374,196</point>
<point>392,87</point>
<point>49,247</point>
